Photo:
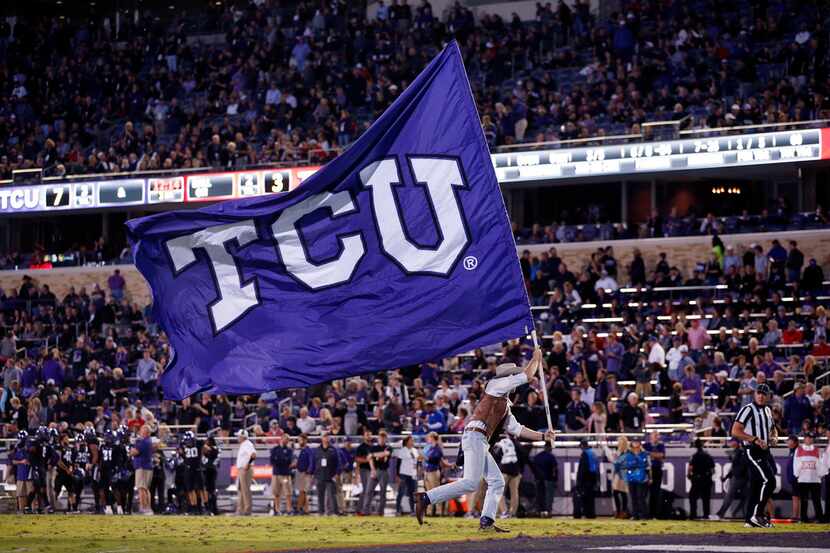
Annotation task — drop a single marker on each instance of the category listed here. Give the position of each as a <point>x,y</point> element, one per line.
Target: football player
<point>65,472</point>
<point>40,453</point>
<point>22,470</point>
<point>127,474</point>
<point>210,464</point>
<point>110,462</point>
<point>53,442</point>
<point>93,467</point>
<point>83,469</point>
<point>175,494</point>
<point>193,478</point>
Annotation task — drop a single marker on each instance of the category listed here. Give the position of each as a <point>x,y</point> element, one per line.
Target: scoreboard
<point>654,157</point>
<point>196,187</point>
<point>719,152</point>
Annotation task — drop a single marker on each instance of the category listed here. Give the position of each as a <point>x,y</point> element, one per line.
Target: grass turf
<point>176,534</point>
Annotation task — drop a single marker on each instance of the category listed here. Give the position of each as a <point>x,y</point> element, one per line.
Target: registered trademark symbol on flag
<point>470,263</point>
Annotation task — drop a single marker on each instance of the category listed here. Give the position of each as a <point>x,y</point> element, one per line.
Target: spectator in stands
<point>147,371</point>
<point>598,419</point>
<point>813,277</point>
<point>577,413</point>
<point>305,423</point>
<point>436,420</point>
<point>116,285</point>
<point>692,390</point>
<point>822,348</point>
<point>773,335</point>
<point>632,416</point>
<point>794,263</point>
<point>731,260</point>
<point>656,353</point>
<point>797,409</point>
<point>606,282</point>
<point>697,337</point>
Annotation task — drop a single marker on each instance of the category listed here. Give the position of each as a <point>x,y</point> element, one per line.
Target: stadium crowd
<point>81,374</point>
<point>297,81</point>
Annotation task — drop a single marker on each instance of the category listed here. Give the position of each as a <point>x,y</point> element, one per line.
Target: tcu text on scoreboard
<point>198,187</point>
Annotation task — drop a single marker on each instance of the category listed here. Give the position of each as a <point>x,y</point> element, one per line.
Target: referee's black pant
<point>761,480</point>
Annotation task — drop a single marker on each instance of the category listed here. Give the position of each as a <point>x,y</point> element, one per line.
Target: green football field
<point>225,534</point>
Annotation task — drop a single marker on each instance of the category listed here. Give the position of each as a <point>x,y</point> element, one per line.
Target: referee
<point>754,427</point>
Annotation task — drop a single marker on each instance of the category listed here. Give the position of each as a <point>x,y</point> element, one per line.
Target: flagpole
<point>544,386</point>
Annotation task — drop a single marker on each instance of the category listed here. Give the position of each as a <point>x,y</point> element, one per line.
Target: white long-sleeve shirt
<point>408,460</point>
<point>806,466</point>
<point>825,462</point>
<point>657,355</point>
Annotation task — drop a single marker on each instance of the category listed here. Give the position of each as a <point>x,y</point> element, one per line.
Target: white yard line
<point>712,548</point>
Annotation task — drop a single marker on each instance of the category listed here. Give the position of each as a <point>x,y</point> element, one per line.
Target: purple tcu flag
<point>397,252</point>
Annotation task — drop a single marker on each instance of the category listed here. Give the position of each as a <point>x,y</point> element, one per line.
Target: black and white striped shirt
<point>757,421</point>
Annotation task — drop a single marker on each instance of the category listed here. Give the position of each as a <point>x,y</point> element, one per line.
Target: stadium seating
<point>332,75</point>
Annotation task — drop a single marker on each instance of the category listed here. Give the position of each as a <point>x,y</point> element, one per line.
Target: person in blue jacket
<point>436,421</point>
<point>635,469</point>
<point>587,477</point>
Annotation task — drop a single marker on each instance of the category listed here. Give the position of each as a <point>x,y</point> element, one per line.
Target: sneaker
<point>504,516</point>
<point>756,522</point>
<point>491,527</point>
<point>714,517</point>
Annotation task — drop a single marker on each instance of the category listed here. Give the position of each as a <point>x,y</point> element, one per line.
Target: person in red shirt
<point>792,335</point>
<point>822,349</point>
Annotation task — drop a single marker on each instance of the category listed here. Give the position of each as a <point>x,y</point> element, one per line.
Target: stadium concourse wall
<point>687,251</point>
<point>683,252</point>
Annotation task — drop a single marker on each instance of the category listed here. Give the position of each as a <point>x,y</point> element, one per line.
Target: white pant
<point>478,463</point>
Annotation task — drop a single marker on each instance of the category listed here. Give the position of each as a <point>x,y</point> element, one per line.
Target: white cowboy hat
<point>507,369</point>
